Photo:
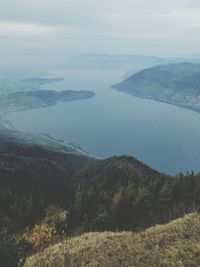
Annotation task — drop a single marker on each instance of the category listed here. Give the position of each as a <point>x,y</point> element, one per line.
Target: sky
<point>57,27</point>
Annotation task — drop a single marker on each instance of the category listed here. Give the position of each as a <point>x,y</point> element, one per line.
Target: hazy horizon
<point>43,31</point>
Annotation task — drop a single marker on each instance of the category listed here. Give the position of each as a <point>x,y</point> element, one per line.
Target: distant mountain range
<point>177,84</point>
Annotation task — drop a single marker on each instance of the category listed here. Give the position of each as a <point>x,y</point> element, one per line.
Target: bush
<point>40,235</point>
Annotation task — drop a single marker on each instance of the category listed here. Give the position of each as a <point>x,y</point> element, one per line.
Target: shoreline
<point>42,139</point>
<point>196,110</point>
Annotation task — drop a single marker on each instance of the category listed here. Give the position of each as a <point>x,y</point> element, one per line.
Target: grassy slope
<point>43,140</point>
<point>173,244</point>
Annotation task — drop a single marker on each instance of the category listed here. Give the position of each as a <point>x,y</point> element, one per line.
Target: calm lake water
<point>163,136</point>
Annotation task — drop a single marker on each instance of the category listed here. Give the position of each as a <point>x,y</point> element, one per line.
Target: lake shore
<point>160,100</point>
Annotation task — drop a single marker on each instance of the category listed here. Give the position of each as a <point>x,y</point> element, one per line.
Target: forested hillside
<point>118,193</point>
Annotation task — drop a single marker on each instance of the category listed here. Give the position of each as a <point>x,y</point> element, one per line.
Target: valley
<point>56,199</point>
<point>114,123</point>
<point>99,133</point>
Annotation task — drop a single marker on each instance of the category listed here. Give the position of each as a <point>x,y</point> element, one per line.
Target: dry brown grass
<point>40,235</point>
<point>176,244</point>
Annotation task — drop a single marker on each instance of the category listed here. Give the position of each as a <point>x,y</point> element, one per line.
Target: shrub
<point>40,235</point>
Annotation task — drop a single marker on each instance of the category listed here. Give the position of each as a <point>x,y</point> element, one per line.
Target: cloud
<point>24,30</point>
<point>102,23</point>
<point>186,18</point>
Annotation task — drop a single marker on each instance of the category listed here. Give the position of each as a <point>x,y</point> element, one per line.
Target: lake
<point>163,136</point>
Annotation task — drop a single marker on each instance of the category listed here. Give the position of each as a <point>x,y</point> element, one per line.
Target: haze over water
<point>163,136</point>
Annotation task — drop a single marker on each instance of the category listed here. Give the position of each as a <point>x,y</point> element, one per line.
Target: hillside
<point>177,84</point>
<point>40,139</point>
<point>33,174</point>
<point>35,159</point>
<point>114,193</point>
<point>38,185</point>
<point>175,244</point>
<point>113,171</point>
<point>31,178</point>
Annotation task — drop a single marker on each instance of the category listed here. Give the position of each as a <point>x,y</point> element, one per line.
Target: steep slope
<point>118,193</point>
<point>177,83</point>
<point>174,244</point>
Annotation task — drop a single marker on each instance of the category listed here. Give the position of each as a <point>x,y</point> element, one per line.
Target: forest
<point>116,194</point>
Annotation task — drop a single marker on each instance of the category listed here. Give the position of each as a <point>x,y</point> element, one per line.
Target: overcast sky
<point>149,27</point>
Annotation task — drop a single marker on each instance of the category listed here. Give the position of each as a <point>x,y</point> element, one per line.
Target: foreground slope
<point>119,193</point>
<point>177,84</point>
<point>173,244</point>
